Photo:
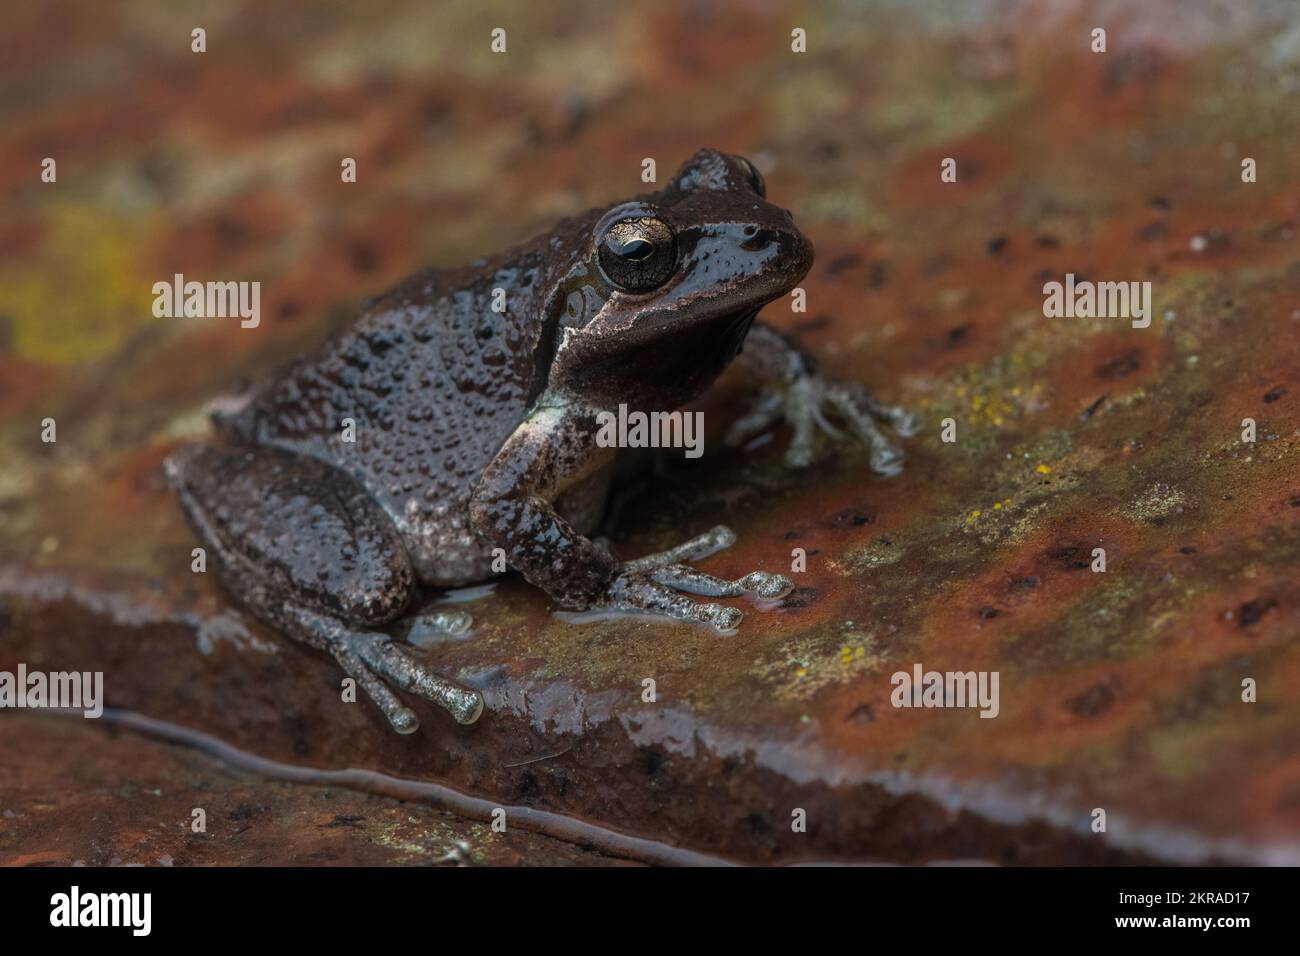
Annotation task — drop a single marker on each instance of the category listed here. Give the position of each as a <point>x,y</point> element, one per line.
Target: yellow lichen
<point>814,668</point>
<point>80,297</point>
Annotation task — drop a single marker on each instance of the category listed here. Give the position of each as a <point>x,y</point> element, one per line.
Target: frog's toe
<point>638,594</point>
<point>906,423</point>
<point>902,420</point>
<point>439,625</point>
<point>860,410</point>
<point>762,585</point>
<point>657,583</point>
<point>717,538</point>
<point>452,622</point>
<point>401,717</point>
<point>801,404</point>
<point>372,658</point>
<point>799,453</point>
<point>767,586</point>
<point>765,412</point>
<point>395,662</point>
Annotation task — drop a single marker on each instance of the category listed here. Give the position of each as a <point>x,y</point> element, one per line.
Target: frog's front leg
<point>512,508</point>
<point>307,550</point>
<point>798,392</point>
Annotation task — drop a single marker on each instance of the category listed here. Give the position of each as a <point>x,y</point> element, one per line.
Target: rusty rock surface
<point>1119,690</point>
<point>65,801</point>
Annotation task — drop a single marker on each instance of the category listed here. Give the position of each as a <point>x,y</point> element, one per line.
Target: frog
<point>449,433</point>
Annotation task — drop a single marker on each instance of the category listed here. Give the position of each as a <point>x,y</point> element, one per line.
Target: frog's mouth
<point>742,321</point>
<point>734,334</point>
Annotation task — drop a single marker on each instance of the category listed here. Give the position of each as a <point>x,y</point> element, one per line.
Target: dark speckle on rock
<point>1153,230</point>
<point>1094,701</point>
<point>800,597</point>
<point>956,336</point>
<point>1121,365</point>
<point>853,518</point>
<point>1072,557</point>
<point>1094,407</point>
<point>1252,612</point>
<point>862,714</point>
<point>352,821</point>
<point>842,264</point>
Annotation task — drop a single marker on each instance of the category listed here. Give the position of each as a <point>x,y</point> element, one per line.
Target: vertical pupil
<point>635,249</point>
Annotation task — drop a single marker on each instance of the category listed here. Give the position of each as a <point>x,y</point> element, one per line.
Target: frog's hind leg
<point>308,551</point>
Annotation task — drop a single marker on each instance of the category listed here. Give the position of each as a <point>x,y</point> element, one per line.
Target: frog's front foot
<point>655,584</point>
<point>800,402</point>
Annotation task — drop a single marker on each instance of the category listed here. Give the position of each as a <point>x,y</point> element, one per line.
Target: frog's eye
<point>755,177</point>
<point>638,254</point>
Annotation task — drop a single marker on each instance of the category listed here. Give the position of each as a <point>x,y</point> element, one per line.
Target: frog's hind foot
<point>271,519</point>
<point>655,583</point>
<point>370,658</point>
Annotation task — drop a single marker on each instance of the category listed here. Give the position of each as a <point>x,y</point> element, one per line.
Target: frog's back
<point>433,381</point>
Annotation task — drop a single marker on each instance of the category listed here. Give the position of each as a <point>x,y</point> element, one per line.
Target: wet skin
<point>475,429</point>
